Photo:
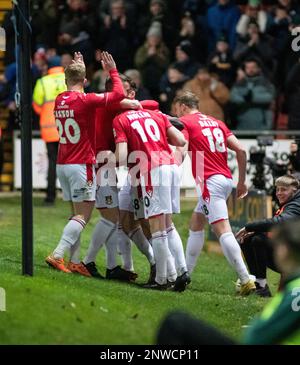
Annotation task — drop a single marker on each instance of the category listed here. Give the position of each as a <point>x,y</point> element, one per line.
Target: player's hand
<point>241,190</point>
<point>242,235</point>
<point>78,58</point>
<point>107,61</point>
<point>98,55</point>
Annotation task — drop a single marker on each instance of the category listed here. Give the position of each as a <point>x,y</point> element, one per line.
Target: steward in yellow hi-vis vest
<point>45,92</point>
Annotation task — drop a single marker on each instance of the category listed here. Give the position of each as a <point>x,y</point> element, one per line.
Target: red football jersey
<point>75,119</point>
<point>207,134</point>
<point>105,140</point>
<point>145,132</point>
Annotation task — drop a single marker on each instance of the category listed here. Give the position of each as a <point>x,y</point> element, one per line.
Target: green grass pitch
<point>58,308</point>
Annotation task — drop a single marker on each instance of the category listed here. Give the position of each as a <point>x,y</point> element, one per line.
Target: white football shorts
<point>78,182</point>
<point>107,191</point>
<point>160,191</point>
<point>215,208</point>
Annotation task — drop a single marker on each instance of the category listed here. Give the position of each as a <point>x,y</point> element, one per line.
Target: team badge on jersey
<point>108,200</point>
<point>149,191</point>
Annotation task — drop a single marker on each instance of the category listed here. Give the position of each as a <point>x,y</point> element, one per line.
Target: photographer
<point>278,324</point>
<point>255,239</point>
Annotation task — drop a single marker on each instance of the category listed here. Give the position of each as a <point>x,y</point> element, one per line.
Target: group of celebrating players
<point>112,130</point>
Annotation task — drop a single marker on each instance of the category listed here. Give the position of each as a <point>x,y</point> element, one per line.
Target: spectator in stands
<point>292,96</point>
<point>77,29</point>
<point>44,23</point>
<point>277,324</point>
<point>158,12</point>
<point>141,93</point>
<point>255,44</point>
<point>184,60</point>
<point>213,94</point>
<point>253,12</point>
<point>9,54</point>
<point>280,19</point>
<point>131,8</point>
<point>221,62</point>
<point>196,34</point>
<point>44,94</point>
<point>252,97</point>
<point>255,239</point>
<point>39,63</point>
<point>176,80</point>
<point>117,34</point>
<point>152,59</point>
<point>66,60</point>
<point>184,56</point>
<point>222,18</point>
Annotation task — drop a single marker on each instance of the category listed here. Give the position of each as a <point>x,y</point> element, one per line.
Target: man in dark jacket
<point>292,94</point>
<point>255,237</point>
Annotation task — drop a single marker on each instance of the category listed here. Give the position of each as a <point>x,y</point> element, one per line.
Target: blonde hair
<point>187,98</point>
<point>287,180</point>
<point>75,74</point>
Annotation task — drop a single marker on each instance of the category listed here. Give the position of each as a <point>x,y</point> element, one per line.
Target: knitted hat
<point>155,30</point>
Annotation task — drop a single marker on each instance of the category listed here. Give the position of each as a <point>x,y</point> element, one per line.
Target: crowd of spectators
<point>235,55</point>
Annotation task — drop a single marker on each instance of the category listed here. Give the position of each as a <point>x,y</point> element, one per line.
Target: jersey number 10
<point>151,128</point>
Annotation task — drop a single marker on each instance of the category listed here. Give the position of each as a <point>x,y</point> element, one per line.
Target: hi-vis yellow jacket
<point>44,94</point>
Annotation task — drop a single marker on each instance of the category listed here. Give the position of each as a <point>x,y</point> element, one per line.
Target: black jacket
<point>289,211</point>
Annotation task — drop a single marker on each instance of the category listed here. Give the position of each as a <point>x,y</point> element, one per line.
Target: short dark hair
<point>187,98</point>
<point>253,59</point>
<point>124,78</point>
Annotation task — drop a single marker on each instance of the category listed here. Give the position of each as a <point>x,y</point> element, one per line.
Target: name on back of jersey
<point>137,115</point>
<point>208,123</point>
<point>64,113</point>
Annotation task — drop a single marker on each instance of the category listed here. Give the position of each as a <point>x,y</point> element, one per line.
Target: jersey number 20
<point>71,129</point>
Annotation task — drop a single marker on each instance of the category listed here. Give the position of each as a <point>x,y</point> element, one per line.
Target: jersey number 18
<point>215,139</point>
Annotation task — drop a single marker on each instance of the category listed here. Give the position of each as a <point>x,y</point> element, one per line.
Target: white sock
<point>161,252</point>
<point>75,252</point>
<point>176,248</point>
<point>232,252</point>
<point>102,231</point>
<point>171,269</point>
<point>71,234</point>
<point>194,247</point>
<point>111,246</point>
<point>261,282</point>
<point>138,237</point>
<point>124,244</point>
